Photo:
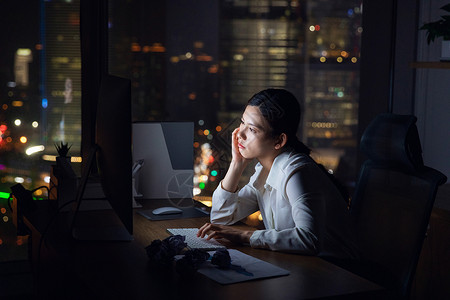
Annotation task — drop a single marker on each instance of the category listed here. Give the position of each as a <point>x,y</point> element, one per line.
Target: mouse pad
<point>188,212</point>
<point>243,268</point>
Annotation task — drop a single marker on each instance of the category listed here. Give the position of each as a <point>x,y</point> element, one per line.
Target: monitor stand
<point>95,225</point>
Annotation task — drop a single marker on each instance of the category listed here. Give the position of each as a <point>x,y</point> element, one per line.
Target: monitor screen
<point>114,162</point>
<point>167,152</point>
<point>113,138</point>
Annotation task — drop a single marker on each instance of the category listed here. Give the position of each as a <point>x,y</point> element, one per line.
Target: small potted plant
<point>440,28</point>
<point>63,149</point>
<point>63,160</point>
<point>63,182</point>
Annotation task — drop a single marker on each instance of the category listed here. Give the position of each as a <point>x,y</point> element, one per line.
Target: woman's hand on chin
<point>235,153</point>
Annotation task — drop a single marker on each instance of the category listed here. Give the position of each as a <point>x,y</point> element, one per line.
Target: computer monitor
<point>113,157</point>
<point>168,154</point>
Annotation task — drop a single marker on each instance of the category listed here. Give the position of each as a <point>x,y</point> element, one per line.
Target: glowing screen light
<point>34,149</point>
<point>23,52</point>
<point>19,180</point>
<point>4,195</point>
<point>197,191</point>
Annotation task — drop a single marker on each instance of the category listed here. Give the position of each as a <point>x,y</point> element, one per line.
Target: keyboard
<point>195,242</point>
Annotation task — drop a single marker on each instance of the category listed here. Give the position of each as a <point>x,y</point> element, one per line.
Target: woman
<point>302,209</point>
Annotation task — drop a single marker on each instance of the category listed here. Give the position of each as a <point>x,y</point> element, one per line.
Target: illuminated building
<point>310,48</point>
<point>61,71</point>
<point>43,102</point>
<point>262,45</point>
<point>19,121</point>
<point>331,99</point>
<point>140,56</point>
<point>22,58</point>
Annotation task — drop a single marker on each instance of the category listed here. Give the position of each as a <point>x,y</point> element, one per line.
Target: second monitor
<point>168,154</point>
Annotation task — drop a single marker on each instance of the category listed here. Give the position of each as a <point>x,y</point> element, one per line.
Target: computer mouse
<point>167,210</point>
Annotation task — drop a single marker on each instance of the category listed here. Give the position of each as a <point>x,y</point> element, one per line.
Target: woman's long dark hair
<point>282,111</point>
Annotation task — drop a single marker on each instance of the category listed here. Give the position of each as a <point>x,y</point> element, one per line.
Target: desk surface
<point>119,270</point>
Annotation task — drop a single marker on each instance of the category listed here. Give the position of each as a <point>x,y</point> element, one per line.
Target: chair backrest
<point>393,200</point>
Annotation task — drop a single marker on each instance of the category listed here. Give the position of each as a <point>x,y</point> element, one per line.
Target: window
<point>200,66</point>
<point>200,61</point>
<point>40,97</point>
<point>40,89</point>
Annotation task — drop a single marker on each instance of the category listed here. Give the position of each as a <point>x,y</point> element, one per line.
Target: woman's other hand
<point>237,165</point>
<point>236,154</point>
<point>214,231</point>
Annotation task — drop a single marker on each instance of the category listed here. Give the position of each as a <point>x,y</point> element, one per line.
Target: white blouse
<point>302,210</point>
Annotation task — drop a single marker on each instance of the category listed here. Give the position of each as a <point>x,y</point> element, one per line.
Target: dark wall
<point>388,47</point>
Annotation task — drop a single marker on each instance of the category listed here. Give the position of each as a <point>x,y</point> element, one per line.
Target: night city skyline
<point>184,70</point>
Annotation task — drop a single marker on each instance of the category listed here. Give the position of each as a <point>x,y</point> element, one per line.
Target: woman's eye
<point>252,129</point>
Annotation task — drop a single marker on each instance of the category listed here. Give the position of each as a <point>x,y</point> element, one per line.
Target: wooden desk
<point>119,270</point>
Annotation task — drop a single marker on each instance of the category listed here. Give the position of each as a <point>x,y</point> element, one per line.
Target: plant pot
<point>64,167</point>
<point>445,51</point>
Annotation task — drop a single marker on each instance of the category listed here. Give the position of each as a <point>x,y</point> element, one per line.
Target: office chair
<point>392,203</point>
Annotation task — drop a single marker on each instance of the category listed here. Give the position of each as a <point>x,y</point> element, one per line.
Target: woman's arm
<point>229,205</point>
<point>303,190</point>
<point>229,208</point>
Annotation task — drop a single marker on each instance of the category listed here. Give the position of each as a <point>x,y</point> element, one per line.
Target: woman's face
<point>254,138</point>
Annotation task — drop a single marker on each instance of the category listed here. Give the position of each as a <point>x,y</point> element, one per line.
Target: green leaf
<point>440,28</point>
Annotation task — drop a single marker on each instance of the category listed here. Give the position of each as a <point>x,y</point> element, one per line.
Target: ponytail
<point>302,148</point>
<point>298,146</point>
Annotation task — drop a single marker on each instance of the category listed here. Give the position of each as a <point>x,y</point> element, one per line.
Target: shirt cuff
<point>255,239</point>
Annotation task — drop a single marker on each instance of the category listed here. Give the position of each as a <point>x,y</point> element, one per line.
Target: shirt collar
<point>276,172</point>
